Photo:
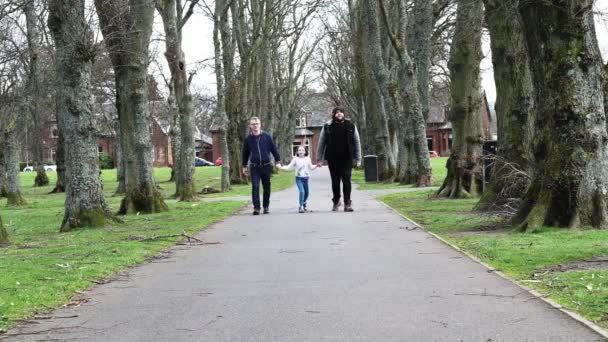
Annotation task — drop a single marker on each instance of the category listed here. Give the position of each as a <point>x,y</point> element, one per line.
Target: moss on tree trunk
<point>143,201</point>
<point>13,181</point>
<point>60,157</point>
<point>85,205</point>
<point>185,187</point>
<point>15,199</point>
<point>41,178</point>
<point>127,36</point>
<point>464,165</point>
<point>514,104</point>
<point>570,146</point>
<point>3,235</point>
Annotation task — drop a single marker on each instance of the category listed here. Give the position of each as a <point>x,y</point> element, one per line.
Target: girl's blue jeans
<point>302,184</point>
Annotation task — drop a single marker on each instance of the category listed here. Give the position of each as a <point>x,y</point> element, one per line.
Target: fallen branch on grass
<point>161,237</point>
<point>189,238</point>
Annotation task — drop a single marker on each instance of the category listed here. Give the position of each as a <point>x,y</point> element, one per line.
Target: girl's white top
<point>302,165</point>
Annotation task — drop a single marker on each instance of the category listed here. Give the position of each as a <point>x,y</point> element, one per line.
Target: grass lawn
<point>439,173</point>
<point>43,268</point>
<point>531,259</point>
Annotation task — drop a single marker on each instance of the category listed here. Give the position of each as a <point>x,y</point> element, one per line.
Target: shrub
<point>105,161</point>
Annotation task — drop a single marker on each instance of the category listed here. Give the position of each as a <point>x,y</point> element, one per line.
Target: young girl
<point>302,164</point>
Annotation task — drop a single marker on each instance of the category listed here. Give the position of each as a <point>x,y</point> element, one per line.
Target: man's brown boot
<point>348,206</point>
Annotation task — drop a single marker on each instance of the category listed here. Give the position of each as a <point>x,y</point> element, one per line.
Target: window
<point>53,153</point>
<point>99,149</point>
<point>297,143</point>
<point>54,131</point>
<point>301,121</point>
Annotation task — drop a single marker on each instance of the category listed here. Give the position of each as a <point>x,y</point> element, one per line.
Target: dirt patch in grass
<point>498,229</point>
<point>597,263</point>
<point>439,212</point>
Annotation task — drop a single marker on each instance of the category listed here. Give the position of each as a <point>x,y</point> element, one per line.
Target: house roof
<point>437,113</point>
<point>318,107</point>
<point>303,132</point>
<point>198,136</point>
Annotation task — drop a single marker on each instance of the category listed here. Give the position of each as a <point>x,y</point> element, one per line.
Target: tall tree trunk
<point>120,161</point>
<point>174,133</point>
<point>408,102</point>
<point>3,235</point>
<point>464,165</point>
<point>421,51</point>
<point>221,12</point>
<point>127,28</point>
<point>85,205</point>
<point>236,88</point>
<point>185,182</point>
<point>570,147</point>
<point>514,103</point>
<point>60,160</point>
<point>34,98</point>
<point>3,179</point>
<point>378,88</point>
<point>13,181</point>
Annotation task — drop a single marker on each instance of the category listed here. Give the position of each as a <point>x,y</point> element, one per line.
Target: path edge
<point>580,319</point>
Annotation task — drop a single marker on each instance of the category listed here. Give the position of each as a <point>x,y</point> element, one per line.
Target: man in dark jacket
<point>340,145</point>
<point>257,149</point>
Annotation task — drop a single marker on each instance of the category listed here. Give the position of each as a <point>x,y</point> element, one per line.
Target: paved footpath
<point>319,276</point>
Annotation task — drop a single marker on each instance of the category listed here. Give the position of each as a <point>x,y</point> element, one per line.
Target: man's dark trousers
<point>260,173</point>
<point>340,171</point>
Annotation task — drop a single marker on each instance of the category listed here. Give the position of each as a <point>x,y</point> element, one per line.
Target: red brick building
<point>107,143</point>
<point>439,129</point>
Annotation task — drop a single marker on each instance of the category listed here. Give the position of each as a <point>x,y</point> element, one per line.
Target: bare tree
<point>406,99</point>
<point>464,165</point>
<point>12,79</point>
<point>175,16</point>
<point>222,50</point>
<point>290,59</point>
<point>514,104</point>
<point>84,204</point>
<point>3,235</point>
<point>127,27</point>
<point>570,147</point>
<point>33,99</point>
<point>377,86</point>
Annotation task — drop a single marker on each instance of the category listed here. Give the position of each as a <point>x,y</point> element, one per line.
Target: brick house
<point>106,142</point>
<point>439,129</point>
<point>203,146</point>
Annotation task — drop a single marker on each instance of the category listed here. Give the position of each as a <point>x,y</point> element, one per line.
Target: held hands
<point>319,164</point>
<point>245,171</point>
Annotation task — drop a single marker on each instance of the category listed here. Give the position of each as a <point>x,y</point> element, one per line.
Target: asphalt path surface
<point>316,276</point>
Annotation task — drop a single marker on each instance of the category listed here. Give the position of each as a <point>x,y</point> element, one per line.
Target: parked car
<point>218,161</point>
<point>202,162</point>
<point>433,154</point>
<point>47,167</point>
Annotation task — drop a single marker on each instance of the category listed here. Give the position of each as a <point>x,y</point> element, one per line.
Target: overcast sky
<point>198,46</point>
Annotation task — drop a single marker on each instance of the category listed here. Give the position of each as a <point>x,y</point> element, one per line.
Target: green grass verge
<point>43,268</point>
<point>524,257</point>
<point>439,174</point>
